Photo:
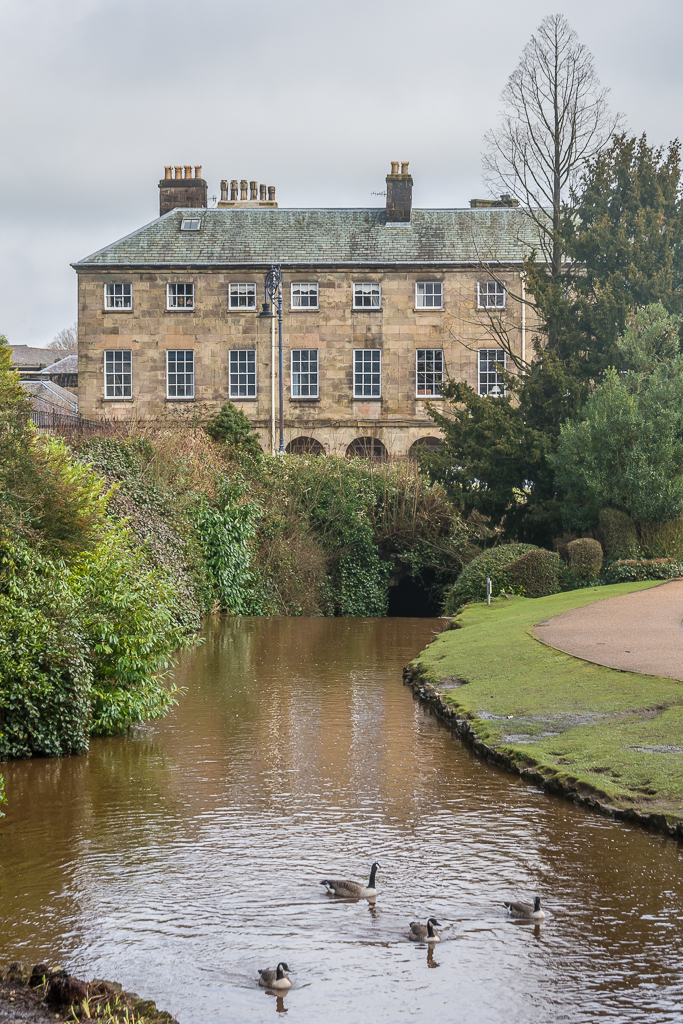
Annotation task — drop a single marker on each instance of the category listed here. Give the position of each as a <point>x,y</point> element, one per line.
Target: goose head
<point>282,969</point>
<point>537,904</point>
<point>431,924</point>
<point>373,872</point>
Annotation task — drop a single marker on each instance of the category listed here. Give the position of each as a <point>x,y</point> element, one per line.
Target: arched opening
<point>415,597</point>
<point>305,446</point>
<point>367,448</point>
<point>424,444</point>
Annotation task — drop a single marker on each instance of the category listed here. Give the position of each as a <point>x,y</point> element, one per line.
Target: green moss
<point>582,722</point>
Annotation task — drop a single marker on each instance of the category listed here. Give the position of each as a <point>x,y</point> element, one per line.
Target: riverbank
<point>606,739</point>
<point>42,995</point>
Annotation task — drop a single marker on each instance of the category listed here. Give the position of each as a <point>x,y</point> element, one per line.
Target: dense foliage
<point>536,573</point>
<point>625,449</point>
<point>491,564</point>
<point>622,237</point>
<point>88,622</point>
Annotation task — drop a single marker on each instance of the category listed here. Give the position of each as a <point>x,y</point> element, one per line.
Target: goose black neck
<point>537,903</point>
<point>373,872</point>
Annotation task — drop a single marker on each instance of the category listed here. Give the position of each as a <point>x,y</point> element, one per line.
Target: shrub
<point>633,569</point>
<point>232,426</point>
<point>537,572</point>
<point>617,533</point>
<point>661,540</point>
<point>471,583</point>
<point>585,558</point>
<point>84,644</point>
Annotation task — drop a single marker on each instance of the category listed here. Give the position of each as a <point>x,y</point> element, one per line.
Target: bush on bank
<point>491,564</point>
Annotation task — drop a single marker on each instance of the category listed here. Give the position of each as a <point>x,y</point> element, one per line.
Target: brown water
<point>183,858</point>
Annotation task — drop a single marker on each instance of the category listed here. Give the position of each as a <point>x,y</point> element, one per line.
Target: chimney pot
<point>224,191</point>
<point>181,190</point>
<point>262,193</point>
<point>394,166</point>
<point>233,190</point>
<point>243,190</point>
<point>271,193</point>
<point>198,170</point>
<point>253,190</point>
<point>404,167</point>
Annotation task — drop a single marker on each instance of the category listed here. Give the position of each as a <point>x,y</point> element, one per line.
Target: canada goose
<point>276,978</point>
<point>424,932</point>
<point>353,890</point>
<point>526,910</point>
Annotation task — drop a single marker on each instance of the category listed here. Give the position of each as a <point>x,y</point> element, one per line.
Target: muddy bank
<point>44,994</point>
<point>530,769</point>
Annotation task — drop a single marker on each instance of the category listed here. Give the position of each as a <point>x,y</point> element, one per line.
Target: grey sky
<point>315,98</point>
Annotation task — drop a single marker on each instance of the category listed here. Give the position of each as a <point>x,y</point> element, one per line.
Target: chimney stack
<point>399,194</point>
<point>178,191</point>
<point>247,194</point>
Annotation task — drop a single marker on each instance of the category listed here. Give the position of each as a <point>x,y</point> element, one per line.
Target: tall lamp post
<point>274,294</point>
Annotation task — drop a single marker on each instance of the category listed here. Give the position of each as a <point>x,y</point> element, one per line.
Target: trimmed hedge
<point>537,572</point>
<point>618,533</point>
<point>471,583</point>
<point>629,570</point>
<point>585,558</point>
<point>662,540</point>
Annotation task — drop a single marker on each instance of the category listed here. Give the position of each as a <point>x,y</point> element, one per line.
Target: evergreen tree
<point>623,236</point>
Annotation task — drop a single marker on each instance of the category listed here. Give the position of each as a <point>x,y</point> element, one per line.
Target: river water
<point>184,857</point>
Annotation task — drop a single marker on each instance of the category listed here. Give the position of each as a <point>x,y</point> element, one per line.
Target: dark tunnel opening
<point>415,598</point>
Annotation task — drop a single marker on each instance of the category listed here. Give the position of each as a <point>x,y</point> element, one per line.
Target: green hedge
<point>585,558</point>
<point>535,573</point>
<point>632,569</point>
<point>471,583</point>
<point>618,533</point>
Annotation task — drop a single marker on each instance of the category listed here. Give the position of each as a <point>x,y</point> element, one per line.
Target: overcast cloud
<point>314,98</point>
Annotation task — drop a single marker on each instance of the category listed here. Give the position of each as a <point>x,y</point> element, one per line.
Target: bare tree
<point>556,117</point>
<point>66,338</point>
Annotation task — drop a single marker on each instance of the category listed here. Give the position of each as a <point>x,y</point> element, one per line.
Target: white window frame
<point>487,290</point>
<point>486,357</point>
<point>423,295</point>
<point>175,307</point>
<point>114,308</point>
<point>191,224</point>
<point>185,373</point>
<point>358,387</point>
<point>248,362</point>
<point>363,288</point>
<point>242,289</point>
<point>427,372</point>
<point>111,371</point>
<point>312,287</point>
<point>313,388</point>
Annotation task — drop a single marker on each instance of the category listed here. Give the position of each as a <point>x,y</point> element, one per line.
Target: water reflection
<point>183,858</point>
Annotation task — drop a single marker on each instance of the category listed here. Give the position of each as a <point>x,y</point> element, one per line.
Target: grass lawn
<point>580,723</point>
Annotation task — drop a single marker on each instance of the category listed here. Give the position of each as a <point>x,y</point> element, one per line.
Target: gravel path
<point>639,632</point>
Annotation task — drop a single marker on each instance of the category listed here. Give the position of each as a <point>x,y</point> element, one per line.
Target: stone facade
<point>398,418</point>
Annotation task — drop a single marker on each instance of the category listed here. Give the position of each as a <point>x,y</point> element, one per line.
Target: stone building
<point>379,305</point>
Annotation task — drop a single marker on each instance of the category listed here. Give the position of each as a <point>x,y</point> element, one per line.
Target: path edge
<point>581,794</point>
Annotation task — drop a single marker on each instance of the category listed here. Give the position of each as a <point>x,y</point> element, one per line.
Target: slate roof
<point>262,236</point>
<point>47,396</point>
<point>25,355</point>
<point>68,364</point>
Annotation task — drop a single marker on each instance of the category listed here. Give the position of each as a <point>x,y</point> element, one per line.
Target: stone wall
<point>398,418</point>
